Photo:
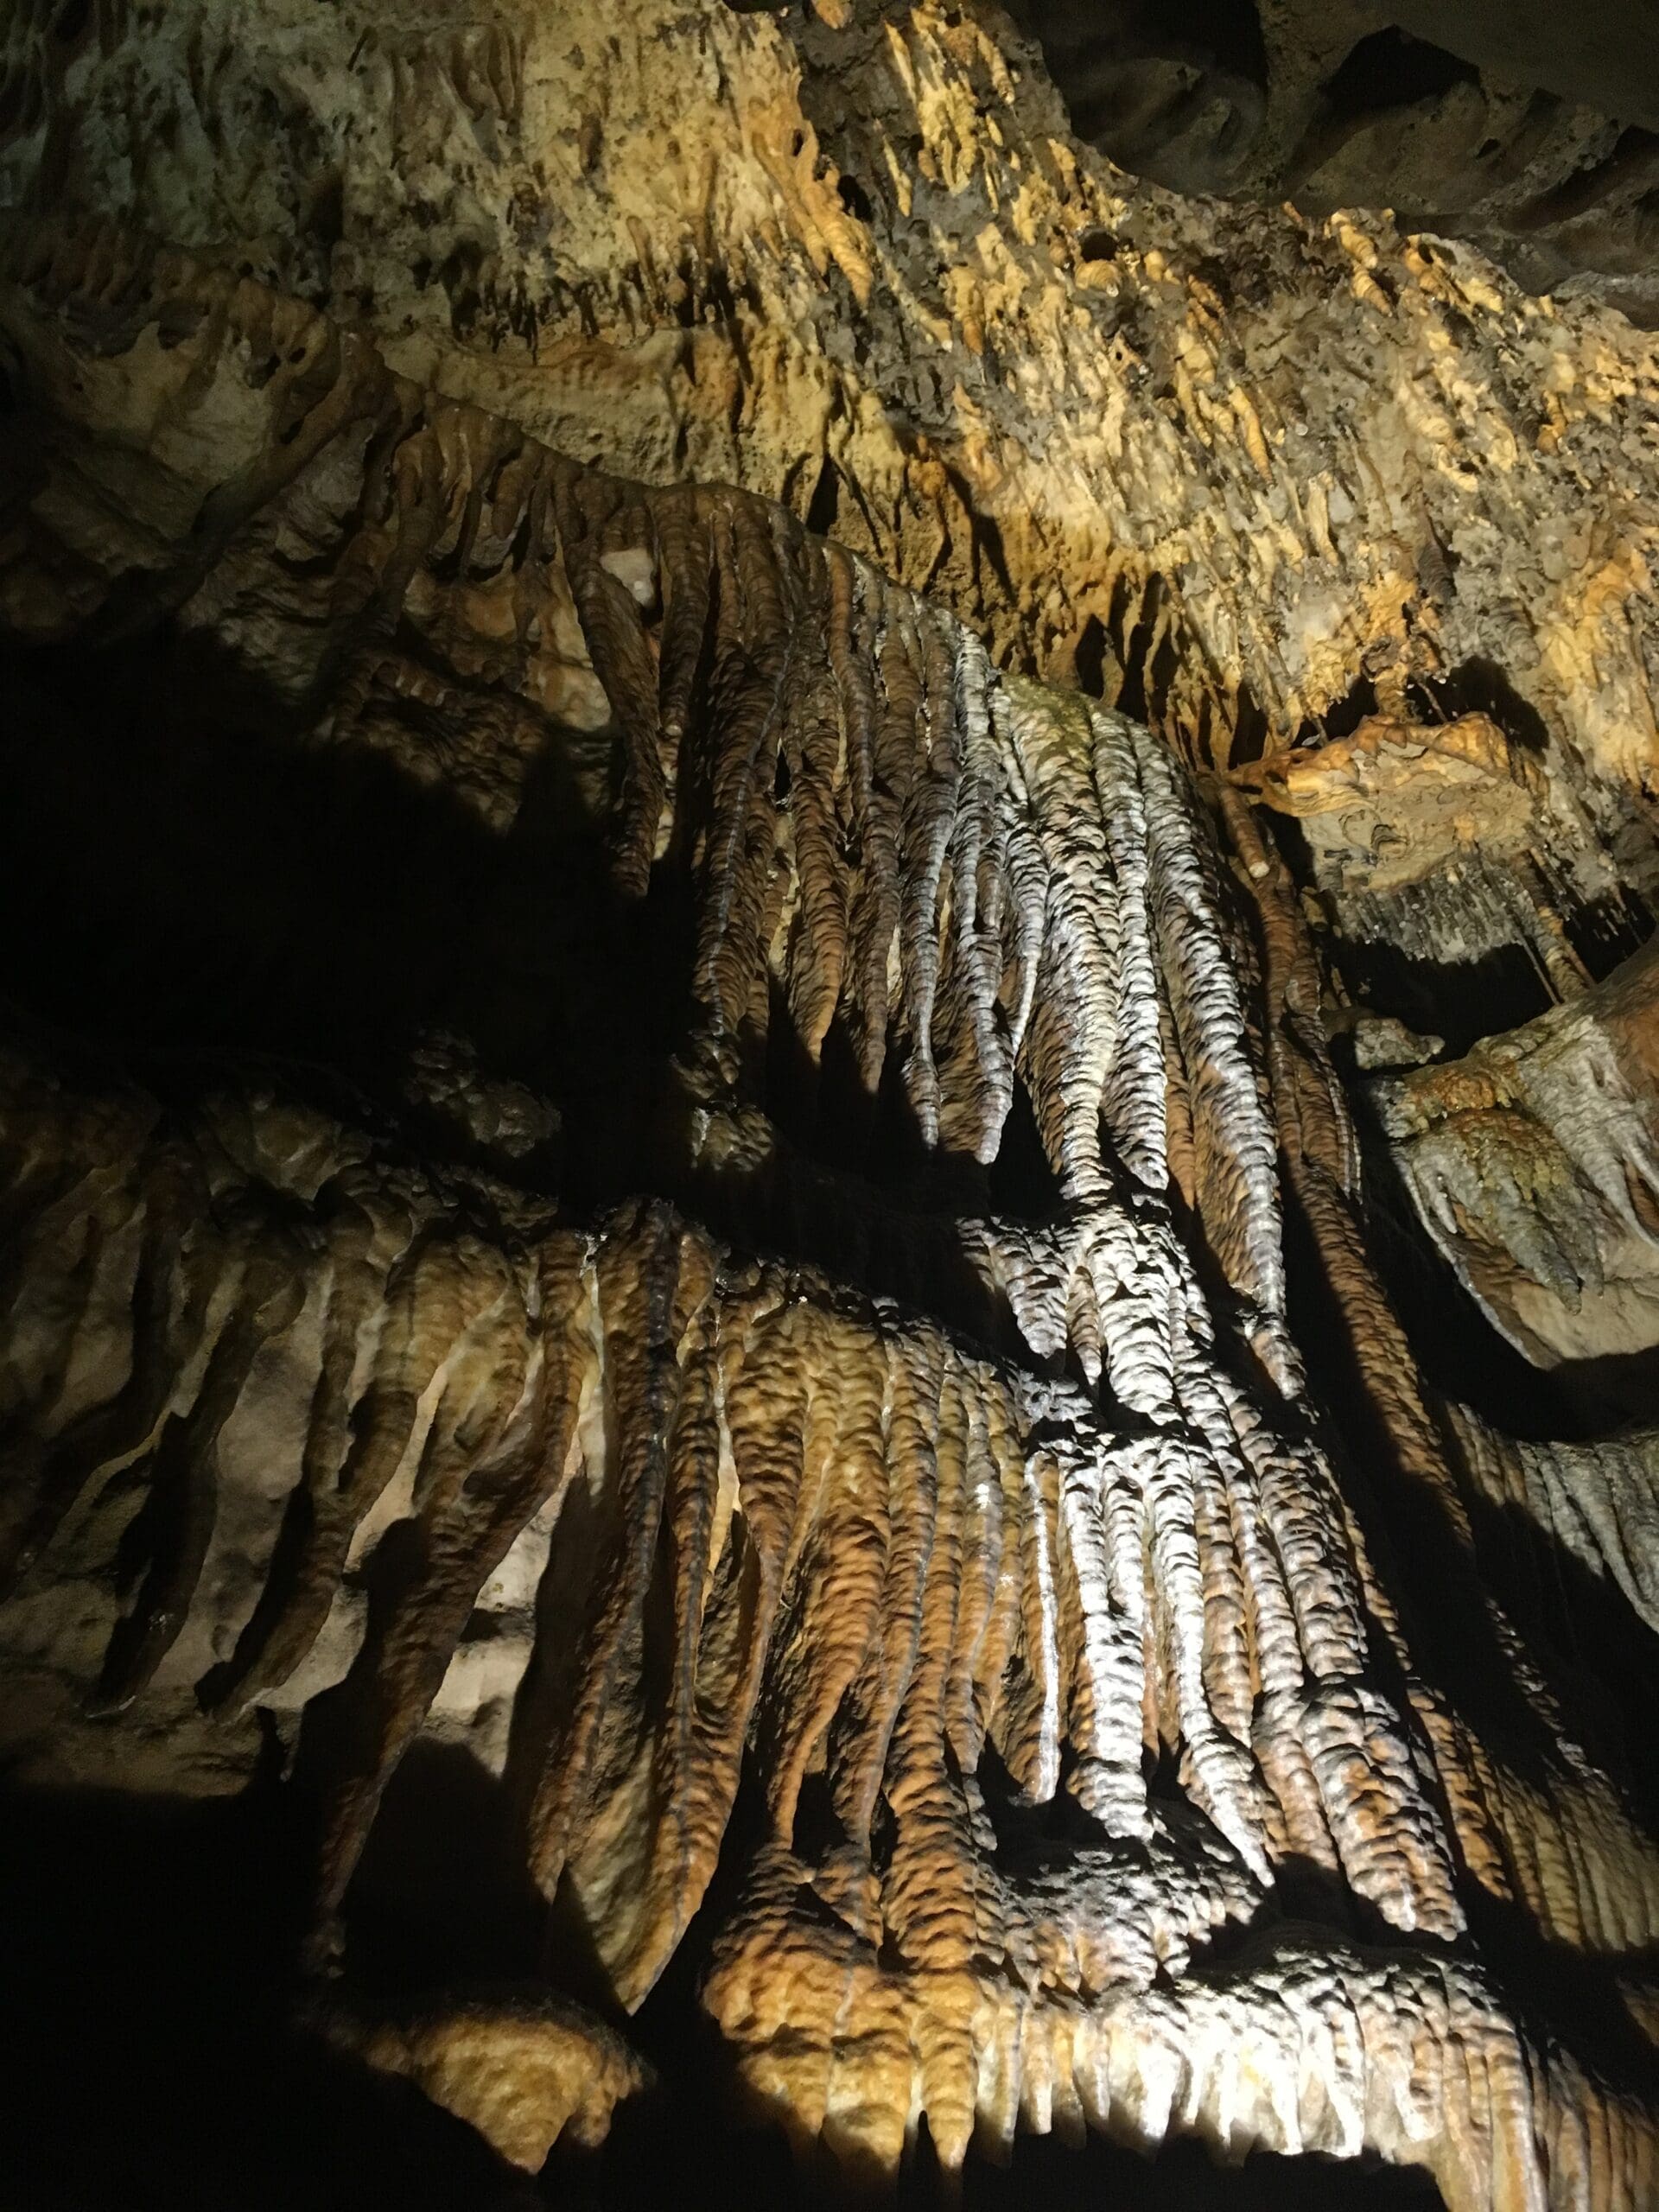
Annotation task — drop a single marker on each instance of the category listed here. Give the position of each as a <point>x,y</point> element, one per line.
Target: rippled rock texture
<point>829,1092</point>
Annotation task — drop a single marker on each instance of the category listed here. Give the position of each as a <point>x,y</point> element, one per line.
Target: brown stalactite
<point>819,1308</point>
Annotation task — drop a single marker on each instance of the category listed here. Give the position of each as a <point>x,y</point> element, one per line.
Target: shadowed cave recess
<point>829,1104</point>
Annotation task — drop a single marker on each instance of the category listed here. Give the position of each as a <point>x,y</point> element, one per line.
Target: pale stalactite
<point>947,1558</point>
<point>930,1567</point>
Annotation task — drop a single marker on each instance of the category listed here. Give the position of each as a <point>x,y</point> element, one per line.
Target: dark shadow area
<point>441,1895</point>
<point>1341,718</point>
<point>191,895</point>
<point>1227,32</point>
<point>1224,35</point>
<point>1184,2179</point>
<point>1020,1181</point>
<point>1618,1391</point>
<point>1390,68</point>
<point>1133,627</point>
<point>1093,644</point>
<point>149,1947</point>
<point>1605,931</point>
<point>1482,687</point>
<point>1600,1654</point>
<point>1460,1002</point>
<point>1251,729</point>
<point>1137,75</point>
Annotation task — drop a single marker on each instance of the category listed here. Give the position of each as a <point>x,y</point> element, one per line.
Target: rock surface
<point>1476,117</point>
<point>749,1228</point>
<point>1533,1162</point>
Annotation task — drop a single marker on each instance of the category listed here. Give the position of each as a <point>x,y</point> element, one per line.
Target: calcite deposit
<point>844,944</point>
<point>1533,1161</point>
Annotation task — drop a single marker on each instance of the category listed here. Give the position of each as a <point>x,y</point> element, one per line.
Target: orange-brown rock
<point>754,766</point>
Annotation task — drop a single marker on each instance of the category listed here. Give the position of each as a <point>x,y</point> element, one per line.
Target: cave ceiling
<point>1493,120</point>
<point>829,1103</point>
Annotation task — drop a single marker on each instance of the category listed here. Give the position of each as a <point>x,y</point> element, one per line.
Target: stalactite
<point>1062,1695</point>
<point>669,1386</point>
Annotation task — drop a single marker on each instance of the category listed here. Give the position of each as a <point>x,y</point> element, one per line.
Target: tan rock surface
<point>921,1575</point>
<point>1534,1165</point>
<point>867,267</point>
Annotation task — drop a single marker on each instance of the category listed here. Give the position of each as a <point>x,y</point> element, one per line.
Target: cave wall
<point>810,908</point>
<point>1484,121</point>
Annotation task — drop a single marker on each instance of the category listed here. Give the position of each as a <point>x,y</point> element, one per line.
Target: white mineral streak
<point>632,1517</point>
<point>1134,1100</point>
<point>1108,1694</point>
<point>981,896</point>
<point>1072,1042</point>
<point>1201,960</point>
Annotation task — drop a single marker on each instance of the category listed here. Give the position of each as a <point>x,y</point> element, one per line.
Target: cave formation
<point>830,1072</point>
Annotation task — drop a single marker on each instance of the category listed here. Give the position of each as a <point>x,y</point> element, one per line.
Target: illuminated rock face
<point>706,1164</point>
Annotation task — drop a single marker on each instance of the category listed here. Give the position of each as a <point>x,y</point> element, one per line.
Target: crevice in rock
<point>1390,68</point>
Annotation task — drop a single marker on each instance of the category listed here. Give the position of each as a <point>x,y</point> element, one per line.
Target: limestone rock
<point>826,1350</point>
<point>1533,1162</point>
<point>1476,118</point>
<point>525,2078</point>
